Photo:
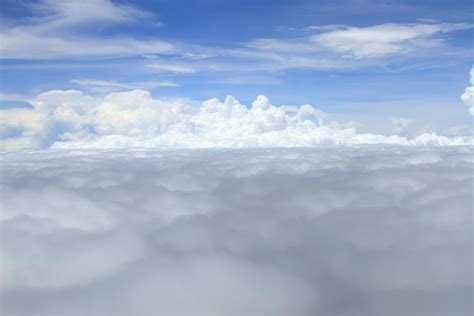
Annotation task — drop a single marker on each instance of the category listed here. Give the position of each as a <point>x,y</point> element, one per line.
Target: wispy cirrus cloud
<point>171,67</point>
<point>53,14</point>
<point>333,46</point>
<point>361,42</point>
<point>58,29</point>
<point>20,43</point>
<point>385,39</point>
<point>111,85</point>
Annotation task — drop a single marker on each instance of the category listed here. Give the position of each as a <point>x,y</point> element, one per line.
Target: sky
<point>210,157</point>
<point>369,64</point>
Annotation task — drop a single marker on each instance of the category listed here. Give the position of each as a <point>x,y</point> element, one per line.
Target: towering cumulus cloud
<point>71,119</point>
<point>468,95</point>
<point>367,230</point>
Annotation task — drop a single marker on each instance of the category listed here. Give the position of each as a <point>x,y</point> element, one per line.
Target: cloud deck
<point>330,231</point>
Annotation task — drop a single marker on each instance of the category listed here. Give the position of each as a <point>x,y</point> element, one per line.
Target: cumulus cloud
<point>468,96</point>
<point>372,230</point>
<point>72,119</point>
<point>399,124</point>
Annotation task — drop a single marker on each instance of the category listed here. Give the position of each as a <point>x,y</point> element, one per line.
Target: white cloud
<point>57,30</point>
<point>372,230</point>
<point>399,124</point>
<point>20,127</point>
<point>21,43</point>
<point>111,85</point>
<point>60,30</point>
<point>292,45</point>
<point>69,118</point>
<point>50,15</point>
<point>360,42</point>
<point>169,67</point>
<point>49,101</point>
<point>338,47</point>
<point>384,39</point>
<point>468,96</point>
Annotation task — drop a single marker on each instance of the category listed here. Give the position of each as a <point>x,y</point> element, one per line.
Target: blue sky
<point>361,60</point>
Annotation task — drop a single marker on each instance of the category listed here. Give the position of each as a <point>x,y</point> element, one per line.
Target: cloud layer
<point>335,231</point>
<point>71,119</point>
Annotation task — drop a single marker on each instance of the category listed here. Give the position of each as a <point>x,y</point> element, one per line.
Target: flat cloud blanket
<point>364,230</point>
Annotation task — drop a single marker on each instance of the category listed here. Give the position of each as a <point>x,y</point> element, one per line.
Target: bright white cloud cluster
<point>71,119</point>
<point>468,95</point>
<point>368,230</point>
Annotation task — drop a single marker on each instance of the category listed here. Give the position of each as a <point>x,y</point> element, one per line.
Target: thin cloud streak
<point>112,85</point>
<point>57,32</point>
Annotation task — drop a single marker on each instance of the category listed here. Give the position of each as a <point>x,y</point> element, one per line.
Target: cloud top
<point>468,96</point>
<point>71,119</point>
<point>367,230</point>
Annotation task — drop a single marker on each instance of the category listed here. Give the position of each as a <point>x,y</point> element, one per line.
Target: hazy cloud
<point>334,231</point>
<point>343,46</point>
<point>399,124</point>
<point>112,85</point>
<point>58,30</point>
<point>385,39</point>
<point>169,67</point>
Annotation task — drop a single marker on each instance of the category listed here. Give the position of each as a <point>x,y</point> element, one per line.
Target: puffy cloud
<point>135,119</point>
<point>261,103</point>
<point>399,124</point>
<point>373,230</point>
<point>20,127</point>
<point>468,96</point>
<point>49,101</point>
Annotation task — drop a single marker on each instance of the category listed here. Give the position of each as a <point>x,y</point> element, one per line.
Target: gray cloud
<point>375,230</point>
